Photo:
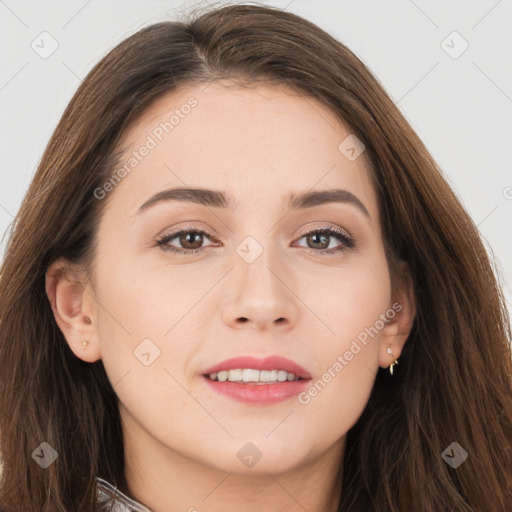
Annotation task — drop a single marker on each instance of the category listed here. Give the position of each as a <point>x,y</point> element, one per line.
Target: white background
<point>461,108</point>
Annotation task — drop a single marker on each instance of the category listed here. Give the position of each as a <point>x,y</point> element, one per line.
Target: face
<point>182,283</point>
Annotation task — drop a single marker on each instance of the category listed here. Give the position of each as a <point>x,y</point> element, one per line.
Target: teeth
<point>282,376</point>
<point>235,375</point>
<point>266,375</point>
<point>222,376</point>
<point>250,375</point>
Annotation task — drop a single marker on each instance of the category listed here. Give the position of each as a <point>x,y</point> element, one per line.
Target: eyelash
<point>347,242</point>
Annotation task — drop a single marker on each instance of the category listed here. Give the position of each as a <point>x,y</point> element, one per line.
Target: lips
<point>258,393</point>
<point>273,362</point>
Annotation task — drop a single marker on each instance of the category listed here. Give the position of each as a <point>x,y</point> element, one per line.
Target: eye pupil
<point>185,240</point>
<point>323,244</point>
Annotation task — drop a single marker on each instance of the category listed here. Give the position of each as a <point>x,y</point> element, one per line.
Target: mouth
<point>253,376</point>
<point>257,381</point>
<point>256,369</point>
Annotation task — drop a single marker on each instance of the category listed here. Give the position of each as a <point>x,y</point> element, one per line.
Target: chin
<point>257,458</point>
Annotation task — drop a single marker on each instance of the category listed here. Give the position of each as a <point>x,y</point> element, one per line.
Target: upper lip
<point>272,362</point>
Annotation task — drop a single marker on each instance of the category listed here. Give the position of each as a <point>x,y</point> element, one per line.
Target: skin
<point>259,144</point>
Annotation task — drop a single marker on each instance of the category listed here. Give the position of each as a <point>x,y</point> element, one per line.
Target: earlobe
<point>70,296</point>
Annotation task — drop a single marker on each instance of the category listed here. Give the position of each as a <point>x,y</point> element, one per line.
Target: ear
<point>400,315</point>
<point>74,307</point>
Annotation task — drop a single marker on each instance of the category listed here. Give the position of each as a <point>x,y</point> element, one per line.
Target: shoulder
<point>113,500</point>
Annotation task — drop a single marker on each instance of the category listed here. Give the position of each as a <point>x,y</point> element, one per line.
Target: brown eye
<point>320,240</point>
<point>191,239</point>
<point>188,241</point>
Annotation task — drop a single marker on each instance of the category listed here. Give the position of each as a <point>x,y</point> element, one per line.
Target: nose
<point>262,296</point>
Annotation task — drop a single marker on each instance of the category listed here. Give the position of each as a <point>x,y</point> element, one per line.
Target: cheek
<point>139,358</point>
<point>347,363</point>
<point>351,306</point>
<point>135,302</point>
<point>149,323</point>
<point>336,399</point>
<point>347,301</point>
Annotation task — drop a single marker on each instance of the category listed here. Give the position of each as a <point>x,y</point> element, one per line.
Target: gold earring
<point>85,343</point>
<point>392,364</point>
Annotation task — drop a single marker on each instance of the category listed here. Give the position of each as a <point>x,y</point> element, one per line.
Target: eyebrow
<point>219,199</point>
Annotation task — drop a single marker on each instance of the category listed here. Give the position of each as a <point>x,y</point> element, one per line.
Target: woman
<point>239,280</point>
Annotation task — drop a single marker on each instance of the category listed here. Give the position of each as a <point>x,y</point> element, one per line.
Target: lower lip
<point>259,394</point>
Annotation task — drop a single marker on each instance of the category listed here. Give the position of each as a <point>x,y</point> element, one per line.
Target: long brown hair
<point>454,380</point>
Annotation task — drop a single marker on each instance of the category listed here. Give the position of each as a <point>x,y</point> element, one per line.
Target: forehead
<point>251,141</point>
